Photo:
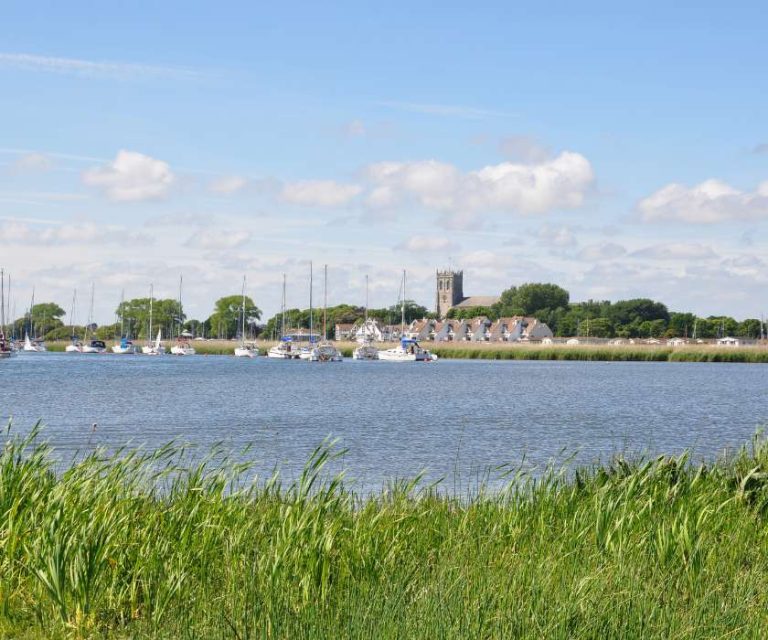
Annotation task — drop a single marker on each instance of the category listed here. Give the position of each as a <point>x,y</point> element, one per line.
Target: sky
<point>616,151</point>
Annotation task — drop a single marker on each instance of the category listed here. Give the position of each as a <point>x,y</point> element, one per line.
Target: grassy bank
<point>153,546</point>
<point>495,351</point>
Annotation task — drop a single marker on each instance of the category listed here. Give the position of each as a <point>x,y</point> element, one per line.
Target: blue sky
<point>619,152</point>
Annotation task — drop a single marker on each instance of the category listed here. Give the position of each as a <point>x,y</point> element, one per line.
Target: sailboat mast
<point>2,303</point>
<point>90,311</point>
<point>181,279</point>
<point>72,313</point>
<point>242,328</point>
<point>282,323</point>
<point>31,317</point>
<point>325,302</point>
<point>402,309</point>
<point>365,326</point>
<point>311,312</point>
<point>151,295</point>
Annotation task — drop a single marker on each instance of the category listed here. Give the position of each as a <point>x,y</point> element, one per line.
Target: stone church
<point>450,294</point>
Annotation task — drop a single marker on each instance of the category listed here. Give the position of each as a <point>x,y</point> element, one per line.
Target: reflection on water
<point>448,418</point>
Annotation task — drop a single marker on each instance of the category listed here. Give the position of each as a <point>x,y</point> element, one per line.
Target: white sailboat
<point>366,350</point>
<point>283,350</point>
<point>5,346</point>
<point>245,351</point>
<point>155,348</point>
<point>182,346</point>
<point>125,346</point>
<point>408,350</point>
<point>325,351</point>
<point>76,346</point>
<point>94,346</point>
<point>32,345</point>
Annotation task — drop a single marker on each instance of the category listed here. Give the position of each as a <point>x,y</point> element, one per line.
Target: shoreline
<point>757,354</point>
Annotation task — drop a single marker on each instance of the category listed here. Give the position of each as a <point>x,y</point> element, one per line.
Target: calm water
<point>395,419</point>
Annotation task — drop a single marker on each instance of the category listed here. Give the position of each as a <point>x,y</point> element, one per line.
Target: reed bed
<point>156,545</point>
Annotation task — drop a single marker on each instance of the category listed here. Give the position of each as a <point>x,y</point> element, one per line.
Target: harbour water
<point>450,419</point>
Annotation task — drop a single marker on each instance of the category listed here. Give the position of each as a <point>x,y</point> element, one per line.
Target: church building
<point>450,294</point>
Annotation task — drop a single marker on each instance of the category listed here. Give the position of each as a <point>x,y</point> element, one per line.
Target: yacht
<point>285,349</point>
<point>94,346</point>
<point>124,347</point>
<point>33,346</point>
<point>366,350</point>
<point>155,348</point>
<point>182,346</point>
<point>245,350</point>
<point>325,351</point>
<point>409,349</point>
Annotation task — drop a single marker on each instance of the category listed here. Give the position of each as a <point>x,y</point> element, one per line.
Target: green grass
<point>139,545</point>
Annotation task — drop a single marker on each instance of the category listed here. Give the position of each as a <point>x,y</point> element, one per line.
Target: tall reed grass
<point>155,545</point>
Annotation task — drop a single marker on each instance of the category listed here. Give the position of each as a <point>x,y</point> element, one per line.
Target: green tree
<point>749,328</point>
<point>680,325</point>
<point>167,314</point>
<point>471,312</point>
<point>41,319</point>
<point>225,321</point>
<point>531,299</point>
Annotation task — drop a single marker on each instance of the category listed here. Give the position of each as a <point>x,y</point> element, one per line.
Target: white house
<point>728,341</point>
<point>369,332</point>
<point>677,342</point>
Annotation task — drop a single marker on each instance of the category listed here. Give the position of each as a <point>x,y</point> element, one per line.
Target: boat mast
<point>2,304</point>
<point>31,317</point>
<point>311,319</point>
<point>365,325</point>
<point>151,295</point>
<point>402,310</point>
<point>181,279</point>
<point>242,328</point>
<point>325,302</point>
<point>90,312</point>
<point>122,314</point>
<point>72,314</point>
<point>282,322</point>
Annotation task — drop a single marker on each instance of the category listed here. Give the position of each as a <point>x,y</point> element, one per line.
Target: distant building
<point>449,294</point>
<point>729,342</point>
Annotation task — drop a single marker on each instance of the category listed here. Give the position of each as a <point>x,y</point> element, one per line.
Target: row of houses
<point>480,329</point>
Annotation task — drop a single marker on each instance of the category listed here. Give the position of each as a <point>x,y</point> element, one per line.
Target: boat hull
<point>245,352</point>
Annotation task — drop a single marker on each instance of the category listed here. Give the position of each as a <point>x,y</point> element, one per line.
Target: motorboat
<point>125,347</point>
<point>75,347</point>
<point>183,348</point>
<point>365,351</point>
<point>94,346</point>
<point>284,350</point>
<point>325,352</point>
<point>246,351</point>
<point>408,350</point>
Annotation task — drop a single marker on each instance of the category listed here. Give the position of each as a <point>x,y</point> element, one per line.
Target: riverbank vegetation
<point>154,545</point>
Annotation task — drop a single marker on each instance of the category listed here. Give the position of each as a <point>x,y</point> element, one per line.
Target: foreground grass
<point>152,545</point>
<point>495,351</point>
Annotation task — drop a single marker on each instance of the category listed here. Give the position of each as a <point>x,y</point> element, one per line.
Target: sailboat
<point>325,351</point>
<point>245,351</point>
<point>76,346</point>
<point>94,346</point>
<point>125,345</point>
<point>182,346</point>
<point>5,345</point>
<point>409,349</point>
<point>155,348</point>
<point>366,350</point>
<point>283,350</point>
<point>32,345</point>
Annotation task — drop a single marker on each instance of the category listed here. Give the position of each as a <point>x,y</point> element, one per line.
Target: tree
<point>625,312</point>
<point>41,319</point>
<point>227,316</point>
<point>531,299</point>
<point>680,325</point>
<point>750,328</point>
<point>465,313</point>
<point>167,314</point>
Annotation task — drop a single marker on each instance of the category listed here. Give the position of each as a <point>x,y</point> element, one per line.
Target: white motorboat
<point>75,347</point>
<point>94,346</point>
<point>156,348</point>
<point>284,350</point>
<point>183,348</point>
<point>33,346</point>
<point>124,347</point>
<point>365,351</point>
<point>407,351</point>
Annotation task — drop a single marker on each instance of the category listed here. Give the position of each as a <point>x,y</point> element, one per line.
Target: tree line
<point>550,303</point>
<point>635,318</point>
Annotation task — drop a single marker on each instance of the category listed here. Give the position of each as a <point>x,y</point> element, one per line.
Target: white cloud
<point>676,251</point>
<point>426,243</point>
<point>33,162</point>
<point>68,234</point>
<point>560,183</point>
<point>604,251</point>
<point>89,67</point>
<point>131,176</point>
<point>228,184</point>
<point>708,202</point>
<point>556,236</point>
<point>319,193</point>
<point>218,239</point>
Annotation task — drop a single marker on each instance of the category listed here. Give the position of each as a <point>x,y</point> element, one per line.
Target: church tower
<point>450,291</point>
